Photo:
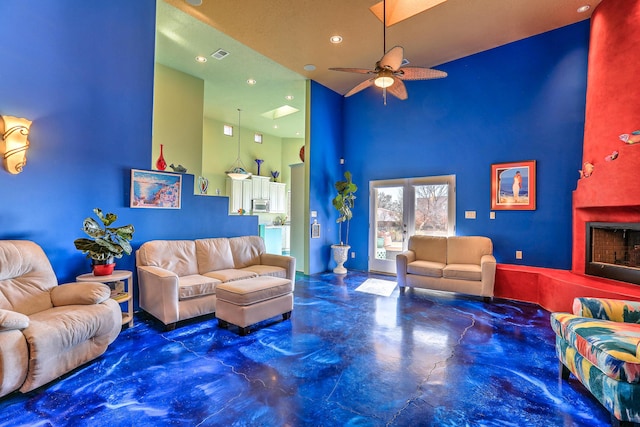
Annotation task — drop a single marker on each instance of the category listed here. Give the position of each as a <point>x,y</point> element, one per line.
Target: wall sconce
<point>14,132</point>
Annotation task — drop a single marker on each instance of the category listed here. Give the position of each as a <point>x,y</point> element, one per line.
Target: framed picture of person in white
<point>513,186</point>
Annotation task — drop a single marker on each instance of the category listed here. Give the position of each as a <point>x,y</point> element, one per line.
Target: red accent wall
<point>612,192</point>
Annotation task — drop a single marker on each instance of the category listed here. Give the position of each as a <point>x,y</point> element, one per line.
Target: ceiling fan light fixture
<point>388,70</point>
<point>384,79</point>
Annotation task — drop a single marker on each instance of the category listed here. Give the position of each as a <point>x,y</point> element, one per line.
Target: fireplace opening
<point>613,251</point>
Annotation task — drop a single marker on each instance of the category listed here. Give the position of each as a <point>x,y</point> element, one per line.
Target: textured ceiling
<point>271,41</point>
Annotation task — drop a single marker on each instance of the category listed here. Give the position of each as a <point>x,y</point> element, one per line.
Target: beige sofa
<point>46,329</point>
<point>177,278</point>
<point>463,264</point>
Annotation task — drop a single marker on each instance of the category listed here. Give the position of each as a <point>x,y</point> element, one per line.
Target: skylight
<point>400,10</point>
<point>279,112</point>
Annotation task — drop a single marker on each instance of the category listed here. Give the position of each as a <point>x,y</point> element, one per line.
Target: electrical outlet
<point>353,254</point>
<point>492,215</point>
<point>518,254</point>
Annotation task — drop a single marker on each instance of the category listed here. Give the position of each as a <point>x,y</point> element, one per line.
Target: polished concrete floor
<point>345,358</point>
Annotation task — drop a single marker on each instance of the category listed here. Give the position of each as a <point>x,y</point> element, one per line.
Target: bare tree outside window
<point>389,217</point>
<point>431,209</point>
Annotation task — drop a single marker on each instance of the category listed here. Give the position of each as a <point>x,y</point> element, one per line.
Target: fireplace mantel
<point>613,184</point>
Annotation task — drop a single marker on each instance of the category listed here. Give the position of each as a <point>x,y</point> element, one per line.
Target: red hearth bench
<point>555,289</point>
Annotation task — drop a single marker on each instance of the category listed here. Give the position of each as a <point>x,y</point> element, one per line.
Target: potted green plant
<point>105,242</point>
<point>343,203</point>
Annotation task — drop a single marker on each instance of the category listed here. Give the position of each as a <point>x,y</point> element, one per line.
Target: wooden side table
<point>124,296</point>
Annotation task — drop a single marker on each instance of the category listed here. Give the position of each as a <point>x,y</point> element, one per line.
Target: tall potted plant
<point>343,202</point>
<point>105,243</point>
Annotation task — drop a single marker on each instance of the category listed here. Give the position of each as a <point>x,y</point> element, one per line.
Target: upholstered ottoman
<point>249,301</point>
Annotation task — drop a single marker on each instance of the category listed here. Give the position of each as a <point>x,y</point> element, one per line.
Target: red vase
<point>103,269</point>
<point>160,163</point>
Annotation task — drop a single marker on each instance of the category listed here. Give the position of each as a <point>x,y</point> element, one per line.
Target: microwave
<point>259,205</point>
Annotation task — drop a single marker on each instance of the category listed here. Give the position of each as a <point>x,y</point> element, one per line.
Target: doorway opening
<point>400,208</point>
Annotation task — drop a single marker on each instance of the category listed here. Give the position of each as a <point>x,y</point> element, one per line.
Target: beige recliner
<point>46,330</point>
<point>463,264</point>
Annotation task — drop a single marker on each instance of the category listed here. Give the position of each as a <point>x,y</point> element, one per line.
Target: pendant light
<point>238,170</point>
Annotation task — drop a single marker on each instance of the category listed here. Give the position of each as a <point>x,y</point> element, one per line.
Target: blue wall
<point>324,167</point>
<point>522,101</point>
<point>83,72</point>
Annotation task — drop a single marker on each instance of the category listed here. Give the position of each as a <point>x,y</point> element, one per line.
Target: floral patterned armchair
<point>600,344</point>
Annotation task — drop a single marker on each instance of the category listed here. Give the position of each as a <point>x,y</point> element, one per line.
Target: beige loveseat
<point>46,329</point>
<point>463,264</point>
<point>177,278</point>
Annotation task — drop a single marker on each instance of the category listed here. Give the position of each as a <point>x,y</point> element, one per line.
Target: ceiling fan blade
<point>419,73</point>
<point>365,84</point>
<point>392,59</point>
<point>353,70</point>
<point>398,89</point>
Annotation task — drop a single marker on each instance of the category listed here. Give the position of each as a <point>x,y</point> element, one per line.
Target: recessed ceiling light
<point>335,39</point>
<point>288,97</point>
<point>584,8</point>
<point>275,126</point>
<point>251,82</point>
<point>309,67</point>
<point>201,59</point>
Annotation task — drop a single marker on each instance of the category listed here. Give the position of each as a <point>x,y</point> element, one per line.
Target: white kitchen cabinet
<point>240,193</point>
<point>261,187</point>
<point>278,197</point>
<point>247,195</point>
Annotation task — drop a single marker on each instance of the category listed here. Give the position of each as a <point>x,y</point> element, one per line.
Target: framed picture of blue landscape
<point>513,186</point>
<point>160,190</point>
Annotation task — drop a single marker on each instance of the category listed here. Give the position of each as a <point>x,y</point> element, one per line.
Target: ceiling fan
<point>389,73</point>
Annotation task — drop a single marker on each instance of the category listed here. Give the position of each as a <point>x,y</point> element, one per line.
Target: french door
<point>400,208</point>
